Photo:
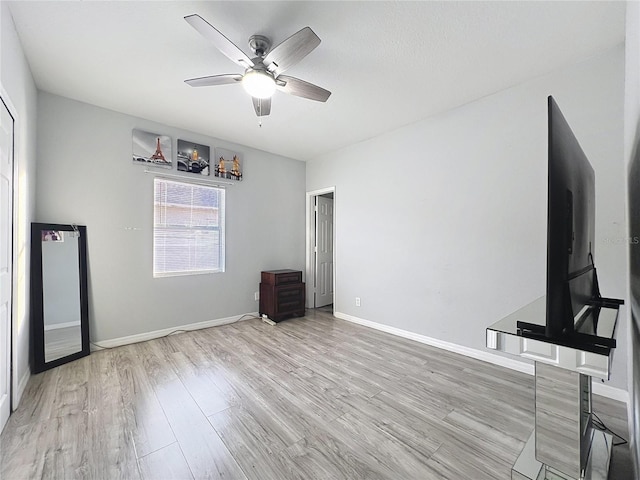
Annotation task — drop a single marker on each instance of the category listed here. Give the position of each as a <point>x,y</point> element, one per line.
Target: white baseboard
<point>604,390</point>
<point>513,364</point>
<point>141,337</point>
<point>57,326</point>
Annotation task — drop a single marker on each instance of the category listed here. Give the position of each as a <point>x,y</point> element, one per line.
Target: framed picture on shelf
<point>193,158</point>
<point>152,149</point>
<point>228,164</point>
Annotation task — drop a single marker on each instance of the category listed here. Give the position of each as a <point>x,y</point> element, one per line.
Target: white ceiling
<point>388,64</point>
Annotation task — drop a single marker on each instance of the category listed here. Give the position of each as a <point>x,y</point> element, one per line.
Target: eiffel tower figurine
<point>158,155</point>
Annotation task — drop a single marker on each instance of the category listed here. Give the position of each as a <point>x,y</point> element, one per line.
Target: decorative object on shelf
<point>152,148</point>
<point>281,294</point>
<point>193,157</point>
<point>228,164</point>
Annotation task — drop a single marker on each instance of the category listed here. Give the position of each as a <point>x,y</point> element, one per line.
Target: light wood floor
<point>311,398</point>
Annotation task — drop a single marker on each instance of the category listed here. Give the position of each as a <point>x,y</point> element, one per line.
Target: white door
<point>324,251</point>
<point>6,255</point>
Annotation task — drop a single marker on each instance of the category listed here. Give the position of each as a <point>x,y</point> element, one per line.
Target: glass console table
<point>565,445</point>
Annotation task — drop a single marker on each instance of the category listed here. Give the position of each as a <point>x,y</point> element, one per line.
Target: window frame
<point>194,229</point>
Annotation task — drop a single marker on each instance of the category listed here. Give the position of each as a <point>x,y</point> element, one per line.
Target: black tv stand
<point>606,302</point>
<point>585,335</point>
<point>534,330</point>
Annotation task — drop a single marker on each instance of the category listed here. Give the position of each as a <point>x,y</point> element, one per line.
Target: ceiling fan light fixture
<point>263,73</point>
<point>259,84</point>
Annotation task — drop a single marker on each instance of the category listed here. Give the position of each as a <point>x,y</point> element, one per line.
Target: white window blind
<point>188,228</point>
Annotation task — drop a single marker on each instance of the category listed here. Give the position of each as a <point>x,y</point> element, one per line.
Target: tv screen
<point>571,281</point>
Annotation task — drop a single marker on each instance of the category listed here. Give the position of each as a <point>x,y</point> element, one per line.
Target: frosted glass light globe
<point>259,84</point>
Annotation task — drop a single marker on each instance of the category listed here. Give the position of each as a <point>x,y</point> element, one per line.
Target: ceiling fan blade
<point>300,88</point>
<point>291,51</point>
<point>262,106</point>
<point>214,80</point>
<point>223,44</point>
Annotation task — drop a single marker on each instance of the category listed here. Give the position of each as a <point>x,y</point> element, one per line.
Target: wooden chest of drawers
<point>281,294</point>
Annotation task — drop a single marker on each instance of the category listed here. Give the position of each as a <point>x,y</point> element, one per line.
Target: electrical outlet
<point>357,301</point>
<point>256,296</point>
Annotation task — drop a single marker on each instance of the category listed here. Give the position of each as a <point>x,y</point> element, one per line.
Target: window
<point>188,229</point>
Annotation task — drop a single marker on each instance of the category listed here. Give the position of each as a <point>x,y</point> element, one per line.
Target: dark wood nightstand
<point>281,294</point>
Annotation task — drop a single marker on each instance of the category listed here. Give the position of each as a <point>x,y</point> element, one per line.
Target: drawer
<point>281,277</point>
<point>290,298</point>
<point>286,293</point>
<point>292,305</point>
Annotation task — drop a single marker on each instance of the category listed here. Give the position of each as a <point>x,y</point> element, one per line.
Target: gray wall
<point>86,176</point>
<point>632,155</point>
<point>441,225</point>
<point>16,80</point>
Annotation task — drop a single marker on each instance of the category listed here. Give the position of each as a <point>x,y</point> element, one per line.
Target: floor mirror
<point>59,306</point>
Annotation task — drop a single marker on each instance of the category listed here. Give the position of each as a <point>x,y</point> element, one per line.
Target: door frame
<point>310,243</point>
<point>14,386</point>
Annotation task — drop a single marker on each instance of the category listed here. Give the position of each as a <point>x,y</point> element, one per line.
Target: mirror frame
<point>38,363</point>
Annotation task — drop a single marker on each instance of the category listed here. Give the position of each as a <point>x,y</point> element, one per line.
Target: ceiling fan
<point>263,73</point>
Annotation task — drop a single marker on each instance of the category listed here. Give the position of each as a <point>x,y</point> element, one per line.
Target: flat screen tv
<point>573,296</point>
<point>570,227</point>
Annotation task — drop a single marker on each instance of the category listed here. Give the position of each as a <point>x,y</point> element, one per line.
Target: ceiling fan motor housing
<point>259,45</point>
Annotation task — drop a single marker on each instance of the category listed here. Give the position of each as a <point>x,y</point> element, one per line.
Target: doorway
<point>321,249</point>
<point>7,126</point>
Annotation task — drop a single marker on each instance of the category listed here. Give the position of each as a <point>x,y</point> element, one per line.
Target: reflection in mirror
<point>59,306</point>
<point>61,293</point>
